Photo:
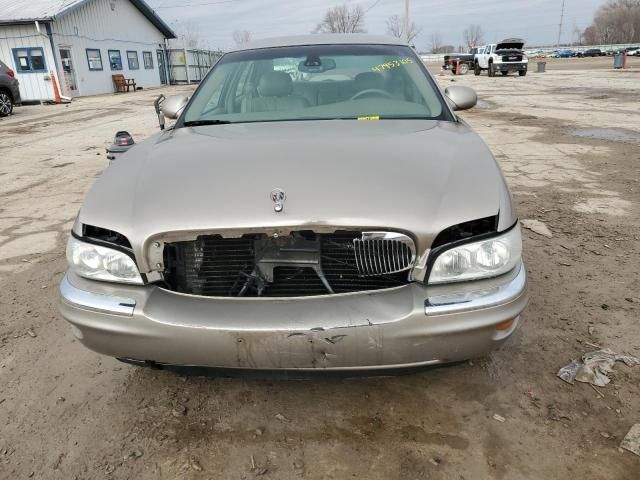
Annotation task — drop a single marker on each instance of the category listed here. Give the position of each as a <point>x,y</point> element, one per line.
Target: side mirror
<point>461,98</point>
<point>172,106</point>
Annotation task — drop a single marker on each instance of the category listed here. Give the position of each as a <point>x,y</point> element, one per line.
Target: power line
<point>372,5</point>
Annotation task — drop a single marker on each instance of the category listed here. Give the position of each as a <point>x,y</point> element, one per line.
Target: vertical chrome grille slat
<point>382,253</point>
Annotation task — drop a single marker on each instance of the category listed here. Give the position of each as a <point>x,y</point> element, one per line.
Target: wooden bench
<point>122,84</point>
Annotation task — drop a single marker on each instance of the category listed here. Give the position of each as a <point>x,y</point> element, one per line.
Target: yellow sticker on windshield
<point>370,117</point>
<point>392,64</point>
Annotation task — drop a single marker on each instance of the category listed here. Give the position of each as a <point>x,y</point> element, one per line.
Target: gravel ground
<point>568,143</point>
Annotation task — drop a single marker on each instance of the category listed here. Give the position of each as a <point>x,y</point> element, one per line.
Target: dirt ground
<point>569,144</point>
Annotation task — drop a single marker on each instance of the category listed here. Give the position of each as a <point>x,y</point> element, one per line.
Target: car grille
<point>512,58</point>
<point>303,264</point>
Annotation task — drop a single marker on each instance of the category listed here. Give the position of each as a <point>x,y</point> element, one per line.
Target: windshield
<point>318,82</point>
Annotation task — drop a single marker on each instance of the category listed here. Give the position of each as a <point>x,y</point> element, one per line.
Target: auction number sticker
<point>392,64</point>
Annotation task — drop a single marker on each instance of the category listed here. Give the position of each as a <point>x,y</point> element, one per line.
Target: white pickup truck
<point>504,57</point>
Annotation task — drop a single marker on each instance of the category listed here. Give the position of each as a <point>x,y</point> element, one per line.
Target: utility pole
<point>405,27</point>
<point>560,26</point>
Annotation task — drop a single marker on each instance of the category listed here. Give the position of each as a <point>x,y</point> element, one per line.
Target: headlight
<point>482,259</point>
<point>101,263</point>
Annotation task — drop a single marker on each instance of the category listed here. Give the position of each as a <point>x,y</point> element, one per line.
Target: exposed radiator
<point>303,264</point>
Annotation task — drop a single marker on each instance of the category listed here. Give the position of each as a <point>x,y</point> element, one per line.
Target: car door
<point>484,58</point>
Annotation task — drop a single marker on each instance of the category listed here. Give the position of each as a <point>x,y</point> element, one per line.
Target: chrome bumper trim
<point>477,300</point>
<point>94,301</point>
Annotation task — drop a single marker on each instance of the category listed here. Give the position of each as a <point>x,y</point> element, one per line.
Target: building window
<point>147,58</point>
<point>115,60</point>
<point>29,60</point>
<point>94,58</point>
<point>132,59</point>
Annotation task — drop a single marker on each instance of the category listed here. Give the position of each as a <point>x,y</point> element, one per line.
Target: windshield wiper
<point>197,123</point>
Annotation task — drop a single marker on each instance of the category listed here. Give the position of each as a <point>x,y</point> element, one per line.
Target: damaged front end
<point>300,264</point>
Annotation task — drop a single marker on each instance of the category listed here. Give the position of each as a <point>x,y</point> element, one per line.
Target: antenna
<point>560,26</point>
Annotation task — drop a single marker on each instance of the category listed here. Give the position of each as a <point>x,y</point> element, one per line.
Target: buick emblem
<point>278,197</point>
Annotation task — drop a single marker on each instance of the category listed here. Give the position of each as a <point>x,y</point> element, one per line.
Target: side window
<point>132,60</point>
<point>94,59</point>
<point>147,59</point>
<point>115,60</point>
<point>29,60</point>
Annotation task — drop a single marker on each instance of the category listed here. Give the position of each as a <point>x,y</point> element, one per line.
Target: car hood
<point>403,175</point>
<point>510,44</point>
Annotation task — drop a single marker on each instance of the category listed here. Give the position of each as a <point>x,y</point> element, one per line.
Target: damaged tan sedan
<point>317,205</point>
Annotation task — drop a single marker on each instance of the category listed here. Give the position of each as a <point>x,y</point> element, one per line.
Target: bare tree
<point>187,35</point>
<point>395,27</point>
<point>241,36</point>
<point>618,21</point>
<point>342,19</point>
<point>473,36</point>
<point>436,42</point>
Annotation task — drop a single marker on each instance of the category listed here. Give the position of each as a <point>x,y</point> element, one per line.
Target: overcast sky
<point>534,20</point>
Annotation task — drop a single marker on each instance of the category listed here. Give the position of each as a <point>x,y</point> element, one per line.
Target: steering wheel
<point>371,91</point>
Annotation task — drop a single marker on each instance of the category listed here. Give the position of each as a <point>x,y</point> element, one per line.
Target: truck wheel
<point>504,73</point>
<point>6,104</point>
<point>522,73</point>
<point>476,70</point>
<point>491,73</point>
<point>464,69</point>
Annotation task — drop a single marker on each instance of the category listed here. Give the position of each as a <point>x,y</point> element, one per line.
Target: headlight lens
<point>101,263</point>
<point>483,259</point>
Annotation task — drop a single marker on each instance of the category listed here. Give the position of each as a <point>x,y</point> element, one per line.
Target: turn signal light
<point>11,73</point>
<point>504,326</point>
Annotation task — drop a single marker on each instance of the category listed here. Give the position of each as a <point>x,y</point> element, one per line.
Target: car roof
<point>321,39</point>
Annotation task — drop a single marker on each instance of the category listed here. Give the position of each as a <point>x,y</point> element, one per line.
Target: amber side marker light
<point>505,325</point>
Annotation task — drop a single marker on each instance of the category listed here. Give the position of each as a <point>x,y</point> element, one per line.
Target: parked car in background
<point>292,221</point>
<point>593,52</point>
<point>633,51</point>
<point>504,57</point>
<point>9,90</point>
<point>563,54</point>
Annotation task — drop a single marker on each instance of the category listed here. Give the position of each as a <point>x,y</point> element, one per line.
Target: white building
<point>82,43</point>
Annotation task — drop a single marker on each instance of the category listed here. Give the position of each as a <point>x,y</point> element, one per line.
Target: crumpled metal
<point>595,367</point>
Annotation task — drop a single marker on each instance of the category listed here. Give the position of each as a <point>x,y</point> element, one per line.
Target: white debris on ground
<point>595,367</point>
<point>537,226</point>
<point>631,441</point>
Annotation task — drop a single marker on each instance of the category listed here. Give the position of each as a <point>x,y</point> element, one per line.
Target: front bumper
<point>403,327</point>
<point>510,67</point>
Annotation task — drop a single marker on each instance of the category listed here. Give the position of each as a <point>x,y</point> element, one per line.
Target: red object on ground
<point>56,91</point>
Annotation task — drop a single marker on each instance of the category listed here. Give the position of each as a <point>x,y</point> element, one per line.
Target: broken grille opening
<point>300,264</point>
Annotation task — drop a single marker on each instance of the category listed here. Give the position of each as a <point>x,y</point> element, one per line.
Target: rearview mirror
<point>461,98</point>
<point>316,65</point>
<point>172,106</point>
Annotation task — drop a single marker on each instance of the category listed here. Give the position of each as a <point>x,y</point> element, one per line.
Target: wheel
<point>491,72</point>
<point>522,73</point>
<point>464,69</point>
<point>504,73</point>
<point>6,104</point>
<point>476,69</point>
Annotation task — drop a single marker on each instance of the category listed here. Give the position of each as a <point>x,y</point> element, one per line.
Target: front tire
<point>476,69</point>
<point>6,104</point>
<point>491,72</point>
<point>522,73</point>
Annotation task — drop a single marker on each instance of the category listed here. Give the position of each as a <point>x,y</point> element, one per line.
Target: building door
<point>162,67</point>
<point>69,82</point>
